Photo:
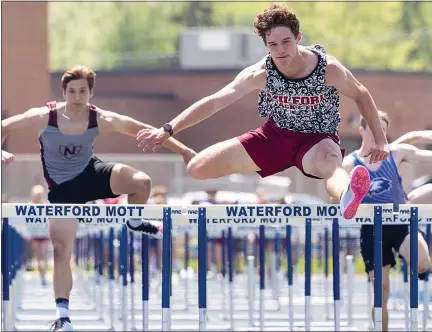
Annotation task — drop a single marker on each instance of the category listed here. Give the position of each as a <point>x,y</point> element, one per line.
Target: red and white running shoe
<point>357,190</point>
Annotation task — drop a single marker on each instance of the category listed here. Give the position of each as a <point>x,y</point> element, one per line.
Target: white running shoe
<point>356,191</point>
<point>151,228</point>
<point>62,324</point>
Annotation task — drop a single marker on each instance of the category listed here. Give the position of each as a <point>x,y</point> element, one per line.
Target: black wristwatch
<point>167,127</point>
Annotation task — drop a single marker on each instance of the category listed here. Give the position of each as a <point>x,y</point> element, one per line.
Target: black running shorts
<point>392,238</point>
<point>92,184</point>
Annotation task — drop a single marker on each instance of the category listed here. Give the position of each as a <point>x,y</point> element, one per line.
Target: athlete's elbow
<point>362,94</point>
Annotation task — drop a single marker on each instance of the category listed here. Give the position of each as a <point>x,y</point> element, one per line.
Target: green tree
<point>380,35</point>
<point>416,21</point>
<point>193,14</point>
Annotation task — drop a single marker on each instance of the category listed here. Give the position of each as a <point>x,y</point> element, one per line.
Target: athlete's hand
<point>188,155</point>
<point>379,152</point>
<point>152,139</point>
<point>7,157</point>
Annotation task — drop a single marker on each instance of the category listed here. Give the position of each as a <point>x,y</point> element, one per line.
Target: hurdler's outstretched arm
<point>419,136</point>
<point>34,119</point>
<point>250,79</point>
<point>114,122</point>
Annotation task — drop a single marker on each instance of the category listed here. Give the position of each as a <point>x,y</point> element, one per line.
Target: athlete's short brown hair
<point>77,73</point>
<point>274,16</point>
<point>382,115</point>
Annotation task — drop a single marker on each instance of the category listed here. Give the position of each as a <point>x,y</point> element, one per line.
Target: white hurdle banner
<point>216,217</point>
<point>222,215</point>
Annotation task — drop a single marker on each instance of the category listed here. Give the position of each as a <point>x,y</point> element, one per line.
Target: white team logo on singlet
<point>379,186</point>
<point>69,151</point>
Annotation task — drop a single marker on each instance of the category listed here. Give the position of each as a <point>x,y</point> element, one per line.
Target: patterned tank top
<point>305,105</point>
<point>385,183</point>
<point>66,156</point>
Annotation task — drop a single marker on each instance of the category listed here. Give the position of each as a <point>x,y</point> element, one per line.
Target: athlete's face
<point>77,93</point>
<point>367,135</point>
<point>282,44</point>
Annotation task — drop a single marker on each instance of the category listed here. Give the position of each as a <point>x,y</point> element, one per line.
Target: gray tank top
<point>66,156</point>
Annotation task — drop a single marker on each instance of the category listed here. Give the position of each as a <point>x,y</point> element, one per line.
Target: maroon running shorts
<point>274,149</point>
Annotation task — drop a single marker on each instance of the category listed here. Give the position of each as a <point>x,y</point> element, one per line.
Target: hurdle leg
<point>336,273</point>
<point>272,278</point>
<point>12,299</point>
<point>262,274</point>
<point>308,273</point>
<point>202,268</point>
<point>12,279</point>
<point>186,266</point>
<point>426,298</point>
<point>132,279</point>
<point>223,277</point>
<point>290,277</point>
<point>166,271</point>
<point>378,262</point>
<point>350,287</point>
<point>251,288</point>
<point>101,273</point>
<point>145,280</point>
<point>326,272</point>
<point>111,281</point>
<point>119,280</point>
<point>100,297</point>
<point>96,277</point>
<point>5,254</point>
<point>406,294</point>
<point>277,264</point>
<point>230,278</point>
<point>275,269</point>
<point>342,277</point>
<point>414,269</point>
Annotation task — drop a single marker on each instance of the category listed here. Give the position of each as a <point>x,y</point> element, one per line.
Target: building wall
<point>25,77</point>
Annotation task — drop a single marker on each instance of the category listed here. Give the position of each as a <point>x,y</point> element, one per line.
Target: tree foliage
<point>370,35</point>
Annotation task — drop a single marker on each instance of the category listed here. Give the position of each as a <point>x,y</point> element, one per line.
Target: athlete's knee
<point>328,165</point>
<point>197,169</point>
<point>328,169</point>
<point>61,250</point>
<point>423,265</point>
<point>328,158</point>
<point>142,182</point>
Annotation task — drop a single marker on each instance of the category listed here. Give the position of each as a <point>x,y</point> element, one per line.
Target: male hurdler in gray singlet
<point>74,175</point>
